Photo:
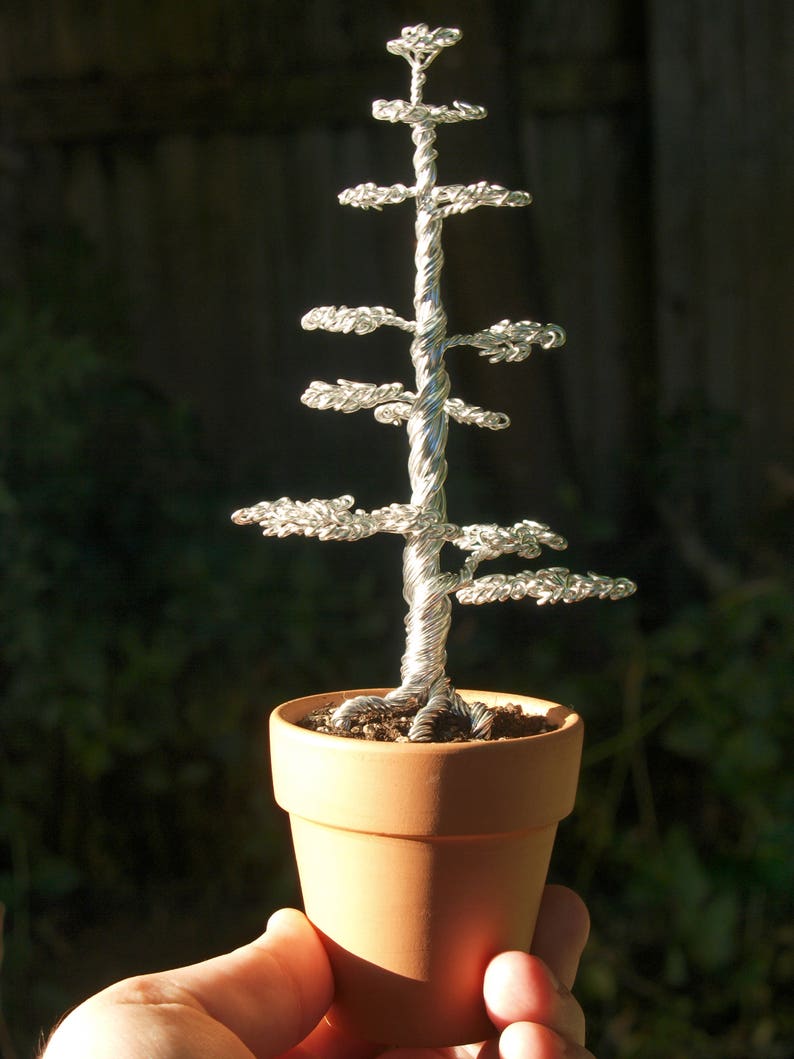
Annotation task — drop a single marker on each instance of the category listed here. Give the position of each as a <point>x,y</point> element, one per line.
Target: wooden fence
<point>199,148</point>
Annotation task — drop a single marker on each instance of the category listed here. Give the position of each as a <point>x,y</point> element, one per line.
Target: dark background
<point>168,176</point>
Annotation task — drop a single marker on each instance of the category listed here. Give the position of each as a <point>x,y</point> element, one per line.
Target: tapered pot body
<point>420,862</point>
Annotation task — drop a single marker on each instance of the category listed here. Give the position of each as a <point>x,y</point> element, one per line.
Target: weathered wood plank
<point>200,148</point>
<point>722,149</point>
<point>585,165</point>
<point>89,107</point>
<point>87,197</point>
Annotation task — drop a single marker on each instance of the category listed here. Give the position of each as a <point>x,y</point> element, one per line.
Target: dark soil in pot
<point>510,722</point>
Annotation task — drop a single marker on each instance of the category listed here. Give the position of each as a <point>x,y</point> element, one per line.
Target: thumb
<point>258,1000</point>
<point>270,993</point>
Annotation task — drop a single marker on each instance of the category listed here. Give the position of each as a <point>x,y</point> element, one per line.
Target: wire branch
<point>348,396</point>
<point>371,196</point>
<point>510,342</point>
<point>336,520</point>
<point>554,585</point>
<point>524,539</point>
<point>419,45</point>
<point>395,110</point>
<point>333,520</point>
<point>460,198</point>
<point>361,320</point>
<point>393,403</point>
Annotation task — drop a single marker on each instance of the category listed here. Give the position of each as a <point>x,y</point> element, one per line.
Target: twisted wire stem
<point>427,411</point>
<point>429,614</point>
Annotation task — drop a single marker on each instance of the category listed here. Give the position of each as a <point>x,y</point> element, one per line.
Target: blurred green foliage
<point>684,841</point>
<point>142,644</point>
<point>143,640</point>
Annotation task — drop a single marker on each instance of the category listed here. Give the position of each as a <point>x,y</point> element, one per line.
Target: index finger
<point>561,932</point>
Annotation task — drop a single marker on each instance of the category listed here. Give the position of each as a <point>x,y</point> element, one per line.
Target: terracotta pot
<point>418,862</point>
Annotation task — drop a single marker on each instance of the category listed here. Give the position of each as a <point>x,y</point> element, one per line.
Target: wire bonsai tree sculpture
<point>427,411</point>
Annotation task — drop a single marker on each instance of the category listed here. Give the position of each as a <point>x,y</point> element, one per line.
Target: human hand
<point>268,999</point>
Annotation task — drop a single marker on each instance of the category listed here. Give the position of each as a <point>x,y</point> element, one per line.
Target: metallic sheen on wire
<point>427,411</point>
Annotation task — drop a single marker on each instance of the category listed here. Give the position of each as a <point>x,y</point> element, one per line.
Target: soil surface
<point>510,722</point>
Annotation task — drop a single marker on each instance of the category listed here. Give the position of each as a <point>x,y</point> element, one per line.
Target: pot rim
<point>418,789</point>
